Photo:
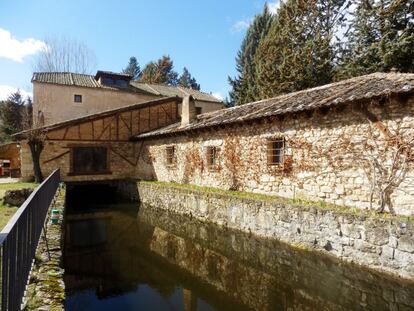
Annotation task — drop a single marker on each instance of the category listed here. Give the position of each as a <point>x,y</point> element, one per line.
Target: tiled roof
<point>76,79</point>
<point>359,88</point>
<point>166,90</point>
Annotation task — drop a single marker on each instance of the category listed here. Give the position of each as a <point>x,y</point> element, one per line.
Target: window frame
<point>72,172</point>
<point>75,96</point>
<point>271,151</point>
<point>212,157</point>
<point>171,156</point>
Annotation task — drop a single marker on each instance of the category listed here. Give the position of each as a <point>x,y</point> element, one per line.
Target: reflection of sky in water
<point>144,298</point>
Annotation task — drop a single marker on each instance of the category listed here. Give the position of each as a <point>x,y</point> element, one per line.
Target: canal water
<point>125,257</point>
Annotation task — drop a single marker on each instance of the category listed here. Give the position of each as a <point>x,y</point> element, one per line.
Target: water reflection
<point>115,260</point>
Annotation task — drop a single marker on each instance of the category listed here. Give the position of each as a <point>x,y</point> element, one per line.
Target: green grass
<point>298,201</point>
<point>6,212</point>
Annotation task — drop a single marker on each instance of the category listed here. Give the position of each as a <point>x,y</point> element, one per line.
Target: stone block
<point>406,243</point>
<point>387,252</point>
<point>326,189</point>
<point>366,247</point>
<point>377,236</point>
<point>340,189</point>
<point>350,230</point>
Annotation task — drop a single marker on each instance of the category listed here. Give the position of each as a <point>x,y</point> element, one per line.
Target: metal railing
<point>19,240</point>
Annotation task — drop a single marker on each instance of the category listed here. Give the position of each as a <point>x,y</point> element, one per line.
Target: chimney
<point>188,110</point>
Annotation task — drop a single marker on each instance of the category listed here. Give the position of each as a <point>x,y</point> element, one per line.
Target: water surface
<point>121,258</point>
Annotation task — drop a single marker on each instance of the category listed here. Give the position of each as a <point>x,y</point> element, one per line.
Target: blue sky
<point>204,36</point>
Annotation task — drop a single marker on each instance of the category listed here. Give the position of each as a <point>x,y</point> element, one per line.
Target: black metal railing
<point>19,240</point>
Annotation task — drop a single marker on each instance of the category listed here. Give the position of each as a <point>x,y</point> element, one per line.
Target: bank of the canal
<point>381,242</point>
<point>46,289</point>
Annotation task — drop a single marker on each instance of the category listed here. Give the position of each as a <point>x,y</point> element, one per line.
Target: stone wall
<point>325,157</point>
<point>385,244</point>
<point>218,257</point>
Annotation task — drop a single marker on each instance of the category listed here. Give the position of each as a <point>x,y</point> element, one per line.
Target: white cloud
<point>218,95</point>
<point>6,90</point>
<point>241,25</point>
<point>273,6</point>
<point>16,50</point>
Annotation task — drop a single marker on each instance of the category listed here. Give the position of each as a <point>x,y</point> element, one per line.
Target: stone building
<point>347,143</point>
<point>61,96</point>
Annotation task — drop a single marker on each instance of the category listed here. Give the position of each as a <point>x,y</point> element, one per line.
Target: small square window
<point>170,155</point>
<point>198,110</point>
<point>275,151</point>
<point>212,156</point>
<point>77,98</point>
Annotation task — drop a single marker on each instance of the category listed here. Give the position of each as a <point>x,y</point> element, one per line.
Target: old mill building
<point>348,143</point>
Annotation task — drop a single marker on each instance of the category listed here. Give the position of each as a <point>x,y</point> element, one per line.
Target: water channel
<point>130,257</point>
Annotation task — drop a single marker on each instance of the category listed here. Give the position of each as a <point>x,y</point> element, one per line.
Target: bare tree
<point>64,54</point>
<point>36,136</point>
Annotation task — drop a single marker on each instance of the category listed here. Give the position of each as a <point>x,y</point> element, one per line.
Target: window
<point>121,83</point>
<point>275,151</point>
<point>212,153</point>
<point>198,110</point>
<point>107,81</point>
<point>77,98</point>
<point>170,155</point>
<point>89,160</point>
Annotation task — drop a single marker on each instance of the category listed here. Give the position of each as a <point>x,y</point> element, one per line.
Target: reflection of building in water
<point>166,251</point>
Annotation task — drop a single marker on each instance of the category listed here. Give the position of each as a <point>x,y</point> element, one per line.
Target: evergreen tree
<point>11,115</point>
<point>381,38</point>
<point>298,51</point>
<point>161,71</point>
<point>188,81</point>
<point>133,68</point>
<point>244,86</point>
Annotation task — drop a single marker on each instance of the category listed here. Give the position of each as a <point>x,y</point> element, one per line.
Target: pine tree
<point>188,81</point>
<point>244,87</point>
<point>381,39</point>
<point>133,68</point>
<point>161,71</point>
<point>11,115</point>
<point>298,51</point>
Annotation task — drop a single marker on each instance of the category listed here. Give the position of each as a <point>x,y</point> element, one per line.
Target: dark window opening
<point>170,155</point>
<point>212,156</point>
<point>78,98</point>
<point>107,81</point>
<point>121,83</point>
<point>198,110</point>
<point>90,160</point>
<point>275,151</point>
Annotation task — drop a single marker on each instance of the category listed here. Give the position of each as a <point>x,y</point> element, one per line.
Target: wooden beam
<point>56,157</point>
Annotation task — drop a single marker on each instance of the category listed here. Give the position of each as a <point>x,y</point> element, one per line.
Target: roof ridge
<point>156,92</point>
<point>183,90</point>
